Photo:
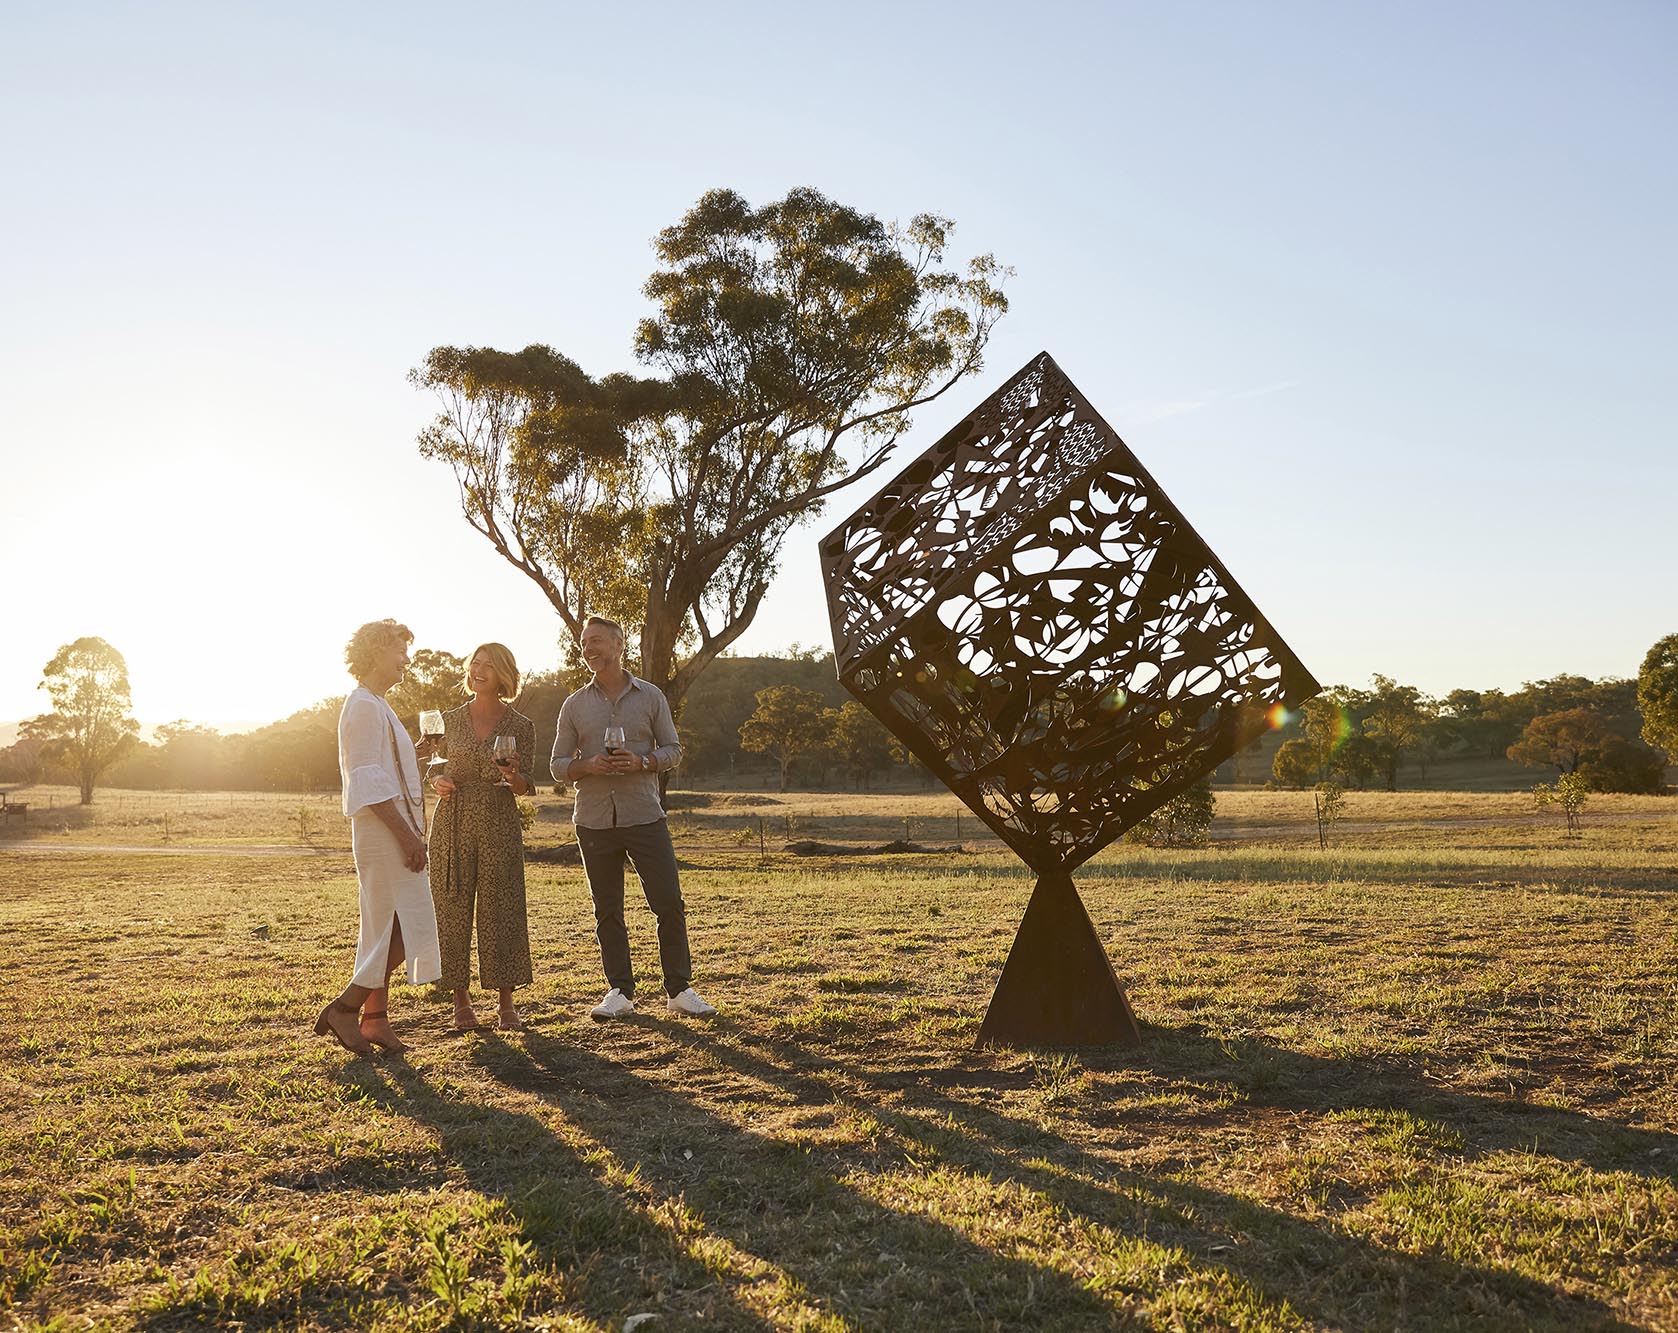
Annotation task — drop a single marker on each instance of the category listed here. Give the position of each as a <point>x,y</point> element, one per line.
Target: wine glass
<point>431,729</point>
<point>614,740</point>
<point>504,751</point>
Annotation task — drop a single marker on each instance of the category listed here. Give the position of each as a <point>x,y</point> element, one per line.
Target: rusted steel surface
<point>1027,611</point>
<point>1058,987</point>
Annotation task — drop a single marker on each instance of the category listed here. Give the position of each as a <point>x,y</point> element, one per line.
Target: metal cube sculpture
<point>1026,610</point>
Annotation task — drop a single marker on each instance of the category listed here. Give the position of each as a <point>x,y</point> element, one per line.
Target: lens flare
<point>1277,716</point>
<point>1344,727</point>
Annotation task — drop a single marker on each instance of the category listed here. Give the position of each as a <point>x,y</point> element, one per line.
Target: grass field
<point>1422,1079</point>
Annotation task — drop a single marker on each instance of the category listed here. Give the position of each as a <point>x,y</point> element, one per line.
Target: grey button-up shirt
<point>648,729</point>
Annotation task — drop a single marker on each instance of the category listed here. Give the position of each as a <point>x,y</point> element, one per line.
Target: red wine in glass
<point>504,750</point>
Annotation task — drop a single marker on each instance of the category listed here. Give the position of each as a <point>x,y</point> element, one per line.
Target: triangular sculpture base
<point>1057,987</point>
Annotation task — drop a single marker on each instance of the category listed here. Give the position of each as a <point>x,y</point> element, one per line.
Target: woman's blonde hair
<point>371,640</point>
<point>501,662</point>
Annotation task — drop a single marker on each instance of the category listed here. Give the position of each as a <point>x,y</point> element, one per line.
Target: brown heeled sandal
<point>324,1026</point>
<point>390,1044</point>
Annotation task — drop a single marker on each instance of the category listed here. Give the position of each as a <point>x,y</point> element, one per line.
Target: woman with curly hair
<point>383,799</point>
<point>477,847</point>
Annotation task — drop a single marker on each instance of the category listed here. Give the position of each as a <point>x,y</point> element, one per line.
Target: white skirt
<point>389,890</point>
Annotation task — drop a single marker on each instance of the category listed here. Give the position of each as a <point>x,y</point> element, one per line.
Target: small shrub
<point>1331,804</point>
<point>1568,792</point>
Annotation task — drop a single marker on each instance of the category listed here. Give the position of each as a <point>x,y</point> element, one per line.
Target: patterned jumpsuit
<point>477,857</point>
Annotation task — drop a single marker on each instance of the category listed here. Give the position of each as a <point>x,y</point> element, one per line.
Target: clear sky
<point>1384,296</point>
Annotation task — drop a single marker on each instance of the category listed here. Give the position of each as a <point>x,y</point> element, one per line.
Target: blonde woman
<point>477,847</point>
<point>383,798</point>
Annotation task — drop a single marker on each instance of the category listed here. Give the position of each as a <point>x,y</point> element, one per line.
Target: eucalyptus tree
<point>787,347</point>
<point>89,728</point>
<point>1396,717</point>
<point>787,723</point>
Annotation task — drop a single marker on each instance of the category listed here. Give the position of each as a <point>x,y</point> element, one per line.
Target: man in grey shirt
<point>619,815</point>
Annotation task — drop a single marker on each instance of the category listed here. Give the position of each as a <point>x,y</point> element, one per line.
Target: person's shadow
<point>929,1207</point>
<point>650,1204</point>
<point>857,1228</point>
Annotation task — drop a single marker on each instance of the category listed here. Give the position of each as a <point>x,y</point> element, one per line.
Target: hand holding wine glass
<point>504,750</point>
<point>431,737</point>
<point>614,747</point>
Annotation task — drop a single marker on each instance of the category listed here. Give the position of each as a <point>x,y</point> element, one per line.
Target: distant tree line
<point>786,718</point>
<point>300,753</point>
<point>1608,732</point>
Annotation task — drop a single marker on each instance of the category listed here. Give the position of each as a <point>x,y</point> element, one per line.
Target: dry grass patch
<point>1421,1084</point>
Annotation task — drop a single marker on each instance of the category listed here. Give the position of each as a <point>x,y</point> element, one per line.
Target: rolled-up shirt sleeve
<point>364,756</point>
<point>667,745</point>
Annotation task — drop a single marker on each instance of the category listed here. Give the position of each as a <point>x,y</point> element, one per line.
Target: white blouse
<point>376,759</point>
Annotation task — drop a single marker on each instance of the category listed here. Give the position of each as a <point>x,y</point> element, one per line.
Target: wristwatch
<point>646,763</point>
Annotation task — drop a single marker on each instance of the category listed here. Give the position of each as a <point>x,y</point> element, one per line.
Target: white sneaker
<point>615,1005</point>
<point>689,1003</point>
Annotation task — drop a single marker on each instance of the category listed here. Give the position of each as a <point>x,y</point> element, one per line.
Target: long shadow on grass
<point>1322,1272</point>
<point>618,1257</point>
<point>1272,1076</point>
<point>786,1205</point>
<point>612,1258</point>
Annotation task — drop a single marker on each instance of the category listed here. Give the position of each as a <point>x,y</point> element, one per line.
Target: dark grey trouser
<point>648,848</point>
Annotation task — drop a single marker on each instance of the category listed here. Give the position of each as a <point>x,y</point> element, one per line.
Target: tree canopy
<point>1584,742</point>
<point>90,727</point>
<point>1396,718</point>
<point>860,742</point>
<point>433,680</point>
<point>1657,696</point>
<point>784,340</point>
<point>787,723</point>
<point>1296,764</point>
<point>1563,739</point>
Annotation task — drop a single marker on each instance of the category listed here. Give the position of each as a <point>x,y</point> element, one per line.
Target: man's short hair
<point>601,620</point>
